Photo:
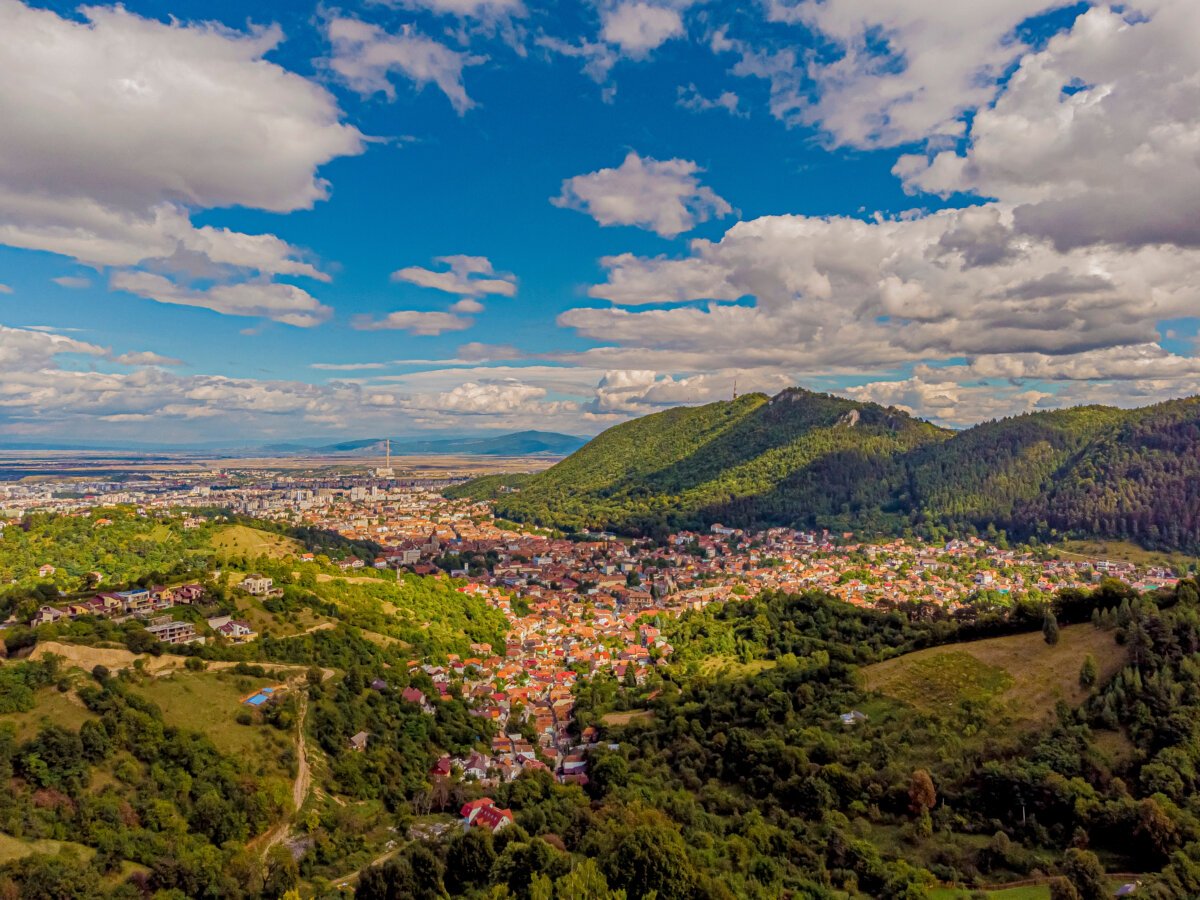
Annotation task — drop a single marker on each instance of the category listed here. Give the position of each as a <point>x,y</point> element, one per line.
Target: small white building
<point>258,585</point>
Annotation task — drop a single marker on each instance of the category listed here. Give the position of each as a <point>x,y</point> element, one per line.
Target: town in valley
<point>575,606</point>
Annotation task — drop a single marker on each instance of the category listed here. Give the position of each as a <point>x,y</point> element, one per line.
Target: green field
<point>209,702</point>
<point>1023,674</point>
<point>1025,892</point>
<point>52,708</point>
<point>242,540</point>
<point>280,625</point>
<point>624,718</point>
<point>14,848</point>
<point>729,667</point>
<point>1030,892</point>
<point>941,681</point>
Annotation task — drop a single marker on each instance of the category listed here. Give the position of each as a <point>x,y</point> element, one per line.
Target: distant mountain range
<point>816,460</point>
<point>521,443</point>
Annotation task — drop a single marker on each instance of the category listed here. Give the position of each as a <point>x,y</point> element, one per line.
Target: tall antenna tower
<point>387,471</point>
<point>734,388</point>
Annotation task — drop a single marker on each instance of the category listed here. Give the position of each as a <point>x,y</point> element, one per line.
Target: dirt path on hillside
<point>87,658</point>
<point>112,658</point>
<point>303,773</point>
<point>320,626</point>
<point>432,831</point>
<point>352,878</point>
<point>300,787</point>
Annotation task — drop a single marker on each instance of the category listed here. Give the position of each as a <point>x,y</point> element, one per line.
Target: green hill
<point>988,471</point>
<point>690,465</point>
<point>1020,674</point>
<point>246,541</point>
<point>815,460</point>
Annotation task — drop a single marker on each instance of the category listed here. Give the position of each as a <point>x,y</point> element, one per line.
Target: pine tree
<point>1087,672</point>
<point>1050,628</point>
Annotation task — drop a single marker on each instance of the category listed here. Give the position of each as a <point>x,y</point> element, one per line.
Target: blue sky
<point>478,215</point>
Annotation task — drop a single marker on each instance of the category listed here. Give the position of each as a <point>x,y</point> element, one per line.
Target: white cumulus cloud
<point>637,28</point>
<point>691,99</point>
<point>467,276</point>
<point>903,71</point>
<point>365,56</point>
<point>664,196</point>
<point>213,122</point>
<point>425,324</point>
<point>284,303</point>
<point>1096,138</point>
<point>887,292</point>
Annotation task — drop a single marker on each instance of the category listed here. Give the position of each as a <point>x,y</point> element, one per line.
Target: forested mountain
<point>724,460</point>
<point>808,459</point>
<point>1139,480</point>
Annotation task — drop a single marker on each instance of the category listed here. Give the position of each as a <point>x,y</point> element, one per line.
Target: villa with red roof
<point>483,813</point>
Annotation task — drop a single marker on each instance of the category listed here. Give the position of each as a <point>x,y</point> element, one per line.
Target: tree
<point>585,882</point>
<point>139,640</point>
<point>43,877</point>
<point>473,854</point>
<point>1050,628</point>
<point>922,796</point>
<point>520,861</point>
<point>1155,831</point>
<point>427,871</point>
<point>1087,672</point>
<point>607,771</point>
<point>651,857</point>
<point>282,874</point>
<point>1083,870</point>
<point>97,745</point>
<point>414,875</point>
<point>1061,889</point>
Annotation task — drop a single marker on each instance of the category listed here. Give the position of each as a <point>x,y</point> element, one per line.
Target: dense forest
<point>114,545</point>
<point>814,460</point>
